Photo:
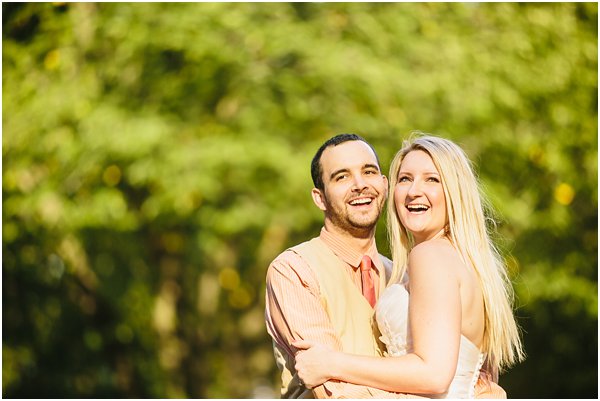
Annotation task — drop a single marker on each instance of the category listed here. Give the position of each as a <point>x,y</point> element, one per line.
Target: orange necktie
<point>368,288</point>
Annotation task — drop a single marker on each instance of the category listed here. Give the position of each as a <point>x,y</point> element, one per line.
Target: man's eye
<point>340,177</point>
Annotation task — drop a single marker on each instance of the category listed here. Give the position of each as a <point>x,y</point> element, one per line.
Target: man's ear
<point>387,186</point>
<point>319,198</point>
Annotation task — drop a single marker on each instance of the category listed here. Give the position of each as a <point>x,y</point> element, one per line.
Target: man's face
<point>355,190</point>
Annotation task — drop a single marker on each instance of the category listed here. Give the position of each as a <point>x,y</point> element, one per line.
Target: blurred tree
<point>156,159</point>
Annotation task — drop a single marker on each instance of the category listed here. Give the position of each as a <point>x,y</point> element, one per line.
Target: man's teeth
<point>417,208</point>
<point>363,201</point>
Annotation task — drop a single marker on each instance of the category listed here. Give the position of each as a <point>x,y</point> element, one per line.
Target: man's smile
<point>361,201</point>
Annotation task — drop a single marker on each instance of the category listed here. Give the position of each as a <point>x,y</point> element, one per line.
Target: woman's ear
<point>319,198</point>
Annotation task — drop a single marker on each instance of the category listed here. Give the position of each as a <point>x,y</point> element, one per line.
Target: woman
<point>459,315</point>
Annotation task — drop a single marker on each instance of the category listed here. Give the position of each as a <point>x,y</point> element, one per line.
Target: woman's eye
<point>433,179</point>
<point>403,179</point>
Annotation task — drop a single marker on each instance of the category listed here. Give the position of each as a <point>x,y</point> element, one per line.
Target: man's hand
<point>488,389</point>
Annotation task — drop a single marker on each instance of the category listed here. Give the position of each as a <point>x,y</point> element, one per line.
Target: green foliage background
<point>156,159</point>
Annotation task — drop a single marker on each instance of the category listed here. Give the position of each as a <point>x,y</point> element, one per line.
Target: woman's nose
<point>415,189</point>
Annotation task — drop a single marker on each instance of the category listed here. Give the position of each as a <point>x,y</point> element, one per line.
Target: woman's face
<point>419,196</point>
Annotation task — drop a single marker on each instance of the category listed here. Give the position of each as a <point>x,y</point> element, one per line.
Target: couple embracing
<point>437,322</point>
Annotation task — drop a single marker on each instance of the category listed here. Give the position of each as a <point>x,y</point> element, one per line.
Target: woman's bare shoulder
<point>434,254</point>
<point>436,247</point>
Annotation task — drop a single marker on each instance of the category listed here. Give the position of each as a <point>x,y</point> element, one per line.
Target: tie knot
<point>365,264</point>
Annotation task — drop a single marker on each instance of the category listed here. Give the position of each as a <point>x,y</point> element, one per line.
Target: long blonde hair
<point>467,230</point>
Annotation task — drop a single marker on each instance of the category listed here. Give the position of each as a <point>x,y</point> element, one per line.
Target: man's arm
<point>294,311</point>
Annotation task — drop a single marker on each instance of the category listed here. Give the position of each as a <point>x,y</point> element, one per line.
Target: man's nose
<point>359,183</point>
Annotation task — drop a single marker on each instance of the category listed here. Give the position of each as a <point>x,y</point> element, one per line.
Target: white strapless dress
<point>391,313</point>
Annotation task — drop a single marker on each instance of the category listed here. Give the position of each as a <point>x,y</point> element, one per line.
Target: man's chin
<point>357,224</point>
<point>368,221</point>
<point>364,224</point>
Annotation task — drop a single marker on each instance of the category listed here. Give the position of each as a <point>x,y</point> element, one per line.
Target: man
<point>325,289</point>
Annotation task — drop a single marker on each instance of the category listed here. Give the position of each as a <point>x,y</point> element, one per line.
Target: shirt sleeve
<point>294,311</point>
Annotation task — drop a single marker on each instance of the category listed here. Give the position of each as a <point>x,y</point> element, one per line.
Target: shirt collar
<point>349,255</point>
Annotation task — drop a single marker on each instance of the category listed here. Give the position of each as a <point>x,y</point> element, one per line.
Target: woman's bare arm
<point>435,316</point>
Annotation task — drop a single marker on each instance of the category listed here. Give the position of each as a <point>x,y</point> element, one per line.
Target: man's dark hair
<point>316,171</point>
